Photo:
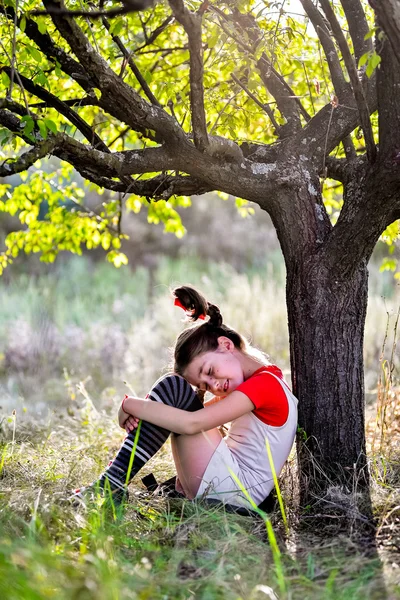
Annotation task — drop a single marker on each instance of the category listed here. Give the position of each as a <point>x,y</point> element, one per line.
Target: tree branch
<point>349,148</point>
<point>154,34</point>
<point>388,85</point>
<point>132,64</point>
<point>339,83</point>
<point>85,158</point>
<point>191,23</point>
<point>70,66</point>
<point>62,108</point>
<point>79,102</point>
<point>161,187</point>
<point>26,160</point>
<point>117,98</point>
<point>358,27</point>
<point>264,107</point>
<point>128,7</point>
<point>355,82</point>
<point>251,179</point>
<point>341,169</point>
<point>388,13</point>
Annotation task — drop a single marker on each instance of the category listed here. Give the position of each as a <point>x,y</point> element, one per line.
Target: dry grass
<point>161,549</point>
<point>170,549</point>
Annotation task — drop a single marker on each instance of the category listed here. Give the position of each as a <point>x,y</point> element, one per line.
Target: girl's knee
<point>173,381</point>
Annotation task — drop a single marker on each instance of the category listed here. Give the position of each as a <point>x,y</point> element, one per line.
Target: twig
<point>263,106</point>
<point>131,6</point>
<point>14,45</point>
<point>132,64</point>
<point>154,35</point>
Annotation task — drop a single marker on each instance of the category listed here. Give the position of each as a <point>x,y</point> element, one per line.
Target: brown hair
<point>200,338</point>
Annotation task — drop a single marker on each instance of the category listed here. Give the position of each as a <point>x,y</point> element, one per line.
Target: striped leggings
<point>138,448</point>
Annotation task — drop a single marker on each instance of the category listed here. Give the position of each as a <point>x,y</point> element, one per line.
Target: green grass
<point>95,327</point>
<point>157,549</point>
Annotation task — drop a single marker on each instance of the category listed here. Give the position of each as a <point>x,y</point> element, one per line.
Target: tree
<point>236,96</point>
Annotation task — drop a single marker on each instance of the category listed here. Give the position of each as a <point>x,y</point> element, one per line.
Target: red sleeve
<point>268,396</point>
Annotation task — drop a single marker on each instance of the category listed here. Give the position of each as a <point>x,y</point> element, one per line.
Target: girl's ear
<point>225,344</point>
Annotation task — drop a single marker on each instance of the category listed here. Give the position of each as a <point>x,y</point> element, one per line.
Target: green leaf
<point>5,79</point>
<point>42,25</point>
<point>28,124</point>
<point>42,128</point>
<point>22,24</point>
<point>370,33</point>
<point>50,125</point>
<point>363,59</point>
<point>213,37</point>
<point>116,26</point>
<point>34,53</point>
<point>388,264</point>
<point>117,258</point>
<point>373,62</point>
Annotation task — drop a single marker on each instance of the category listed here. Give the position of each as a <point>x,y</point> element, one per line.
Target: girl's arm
<point>230,408</point>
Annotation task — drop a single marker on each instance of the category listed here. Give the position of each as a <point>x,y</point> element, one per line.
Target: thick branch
<point>358,27</point>
<point>26,160</point>
<point>191,22</point>
<point>349,148</point>
<point>111,164</point>
<point>161,187</point>
<point>388,13</point>
<point>341,169</point>
<point>388,86</point>
<point>371,196</point>
<point>355,82</point>
<point>335,69</point>
<point>253,180</point>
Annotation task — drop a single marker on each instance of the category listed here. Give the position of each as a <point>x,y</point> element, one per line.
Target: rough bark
<point>326,324</point>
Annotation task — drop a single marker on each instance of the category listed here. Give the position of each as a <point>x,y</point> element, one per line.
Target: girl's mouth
<point>226,386</point>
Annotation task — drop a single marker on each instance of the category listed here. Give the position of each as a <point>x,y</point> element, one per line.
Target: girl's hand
<point>131,423</point>
<point>126,421</point>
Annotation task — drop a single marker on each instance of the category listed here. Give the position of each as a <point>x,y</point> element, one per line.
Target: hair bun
<point>215,315</point>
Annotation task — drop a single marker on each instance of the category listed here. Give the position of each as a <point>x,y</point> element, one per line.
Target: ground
<point>171,549</point>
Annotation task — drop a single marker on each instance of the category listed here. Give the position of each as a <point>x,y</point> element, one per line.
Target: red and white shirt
<point>274,419</point>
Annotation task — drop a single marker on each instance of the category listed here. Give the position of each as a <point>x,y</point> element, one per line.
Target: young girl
<point>249,394</point>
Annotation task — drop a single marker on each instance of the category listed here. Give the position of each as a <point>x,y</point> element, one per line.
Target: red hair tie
<point>177,302</point>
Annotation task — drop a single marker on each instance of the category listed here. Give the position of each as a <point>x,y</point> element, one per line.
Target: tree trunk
<point>326,325</point>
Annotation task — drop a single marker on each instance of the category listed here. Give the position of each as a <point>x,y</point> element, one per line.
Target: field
<point>72,341</point>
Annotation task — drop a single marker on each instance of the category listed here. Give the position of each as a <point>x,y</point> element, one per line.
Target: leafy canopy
<point>49,198</point>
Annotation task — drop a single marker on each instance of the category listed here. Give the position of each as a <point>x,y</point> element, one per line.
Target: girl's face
<point>219,372</point>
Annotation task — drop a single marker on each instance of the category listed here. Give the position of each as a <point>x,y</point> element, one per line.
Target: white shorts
<point>217,481</point>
